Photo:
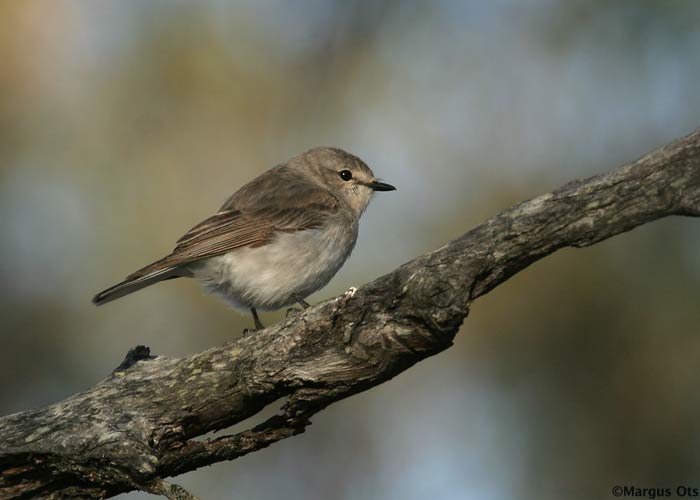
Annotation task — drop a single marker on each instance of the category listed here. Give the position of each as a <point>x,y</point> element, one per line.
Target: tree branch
<point>140,424</point>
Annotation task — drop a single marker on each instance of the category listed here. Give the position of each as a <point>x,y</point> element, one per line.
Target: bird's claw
<point>292,311</point>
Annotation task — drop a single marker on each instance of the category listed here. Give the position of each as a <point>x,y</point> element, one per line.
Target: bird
<point>275,241</point>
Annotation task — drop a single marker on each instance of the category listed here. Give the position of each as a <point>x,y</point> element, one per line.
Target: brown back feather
<point>251,217</point>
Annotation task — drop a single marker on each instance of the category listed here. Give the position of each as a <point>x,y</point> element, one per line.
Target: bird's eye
<point>346,175</point>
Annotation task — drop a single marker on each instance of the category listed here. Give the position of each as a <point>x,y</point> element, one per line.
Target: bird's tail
<point>142,278</point>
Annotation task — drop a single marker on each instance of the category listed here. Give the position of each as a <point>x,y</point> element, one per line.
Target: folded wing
<point>247,219</point>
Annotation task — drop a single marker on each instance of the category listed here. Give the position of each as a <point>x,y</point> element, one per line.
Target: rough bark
<point>140,424</point>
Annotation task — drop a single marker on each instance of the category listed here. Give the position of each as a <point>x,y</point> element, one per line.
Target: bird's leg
<point>293,310</point>
<point>258,323</point>
<point>301,302</point>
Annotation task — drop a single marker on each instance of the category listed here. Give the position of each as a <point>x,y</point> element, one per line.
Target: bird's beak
<point>380,186</point>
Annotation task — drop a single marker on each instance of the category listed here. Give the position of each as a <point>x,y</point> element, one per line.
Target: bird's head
<point>343,174</point>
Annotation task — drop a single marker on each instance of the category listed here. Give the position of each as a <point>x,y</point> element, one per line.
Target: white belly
<point>270,276</point>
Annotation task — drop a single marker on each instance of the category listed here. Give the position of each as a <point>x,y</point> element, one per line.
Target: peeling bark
<point>140,424</point>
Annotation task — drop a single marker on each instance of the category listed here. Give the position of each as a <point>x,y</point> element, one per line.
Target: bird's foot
<point>292,311</point>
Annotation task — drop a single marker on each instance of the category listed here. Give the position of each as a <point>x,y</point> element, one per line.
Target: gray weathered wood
<point>139,425</point>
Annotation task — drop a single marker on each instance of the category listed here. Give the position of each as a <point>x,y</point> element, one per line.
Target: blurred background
<point>122,124</point>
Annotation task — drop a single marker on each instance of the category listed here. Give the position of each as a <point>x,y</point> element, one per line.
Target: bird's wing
<point>229,230</point>
<point>249,219</point>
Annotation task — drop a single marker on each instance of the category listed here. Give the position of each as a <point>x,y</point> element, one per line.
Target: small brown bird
<point>277,240</point>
